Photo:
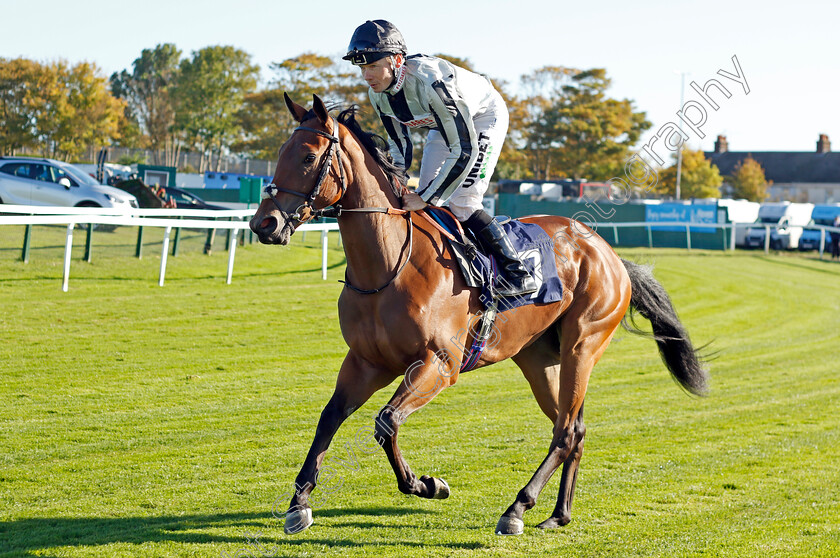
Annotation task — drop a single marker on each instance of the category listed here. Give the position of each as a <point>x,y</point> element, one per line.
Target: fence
<point>169,219</point>
<point>728,237</point>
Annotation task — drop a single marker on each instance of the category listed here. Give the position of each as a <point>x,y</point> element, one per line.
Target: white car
<point>29,181</point>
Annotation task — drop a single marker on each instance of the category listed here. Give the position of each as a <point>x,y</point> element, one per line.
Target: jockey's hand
<point>411,201</point>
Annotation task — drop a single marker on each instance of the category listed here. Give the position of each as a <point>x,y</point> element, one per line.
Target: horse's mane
<point>375,145</point>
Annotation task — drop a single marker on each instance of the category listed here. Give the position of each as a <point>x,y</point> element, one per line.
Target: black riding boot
<point>517,280</point>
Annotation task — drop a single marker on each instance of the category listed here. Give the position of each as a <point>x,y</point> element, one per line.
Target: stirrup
<point>517,286</point>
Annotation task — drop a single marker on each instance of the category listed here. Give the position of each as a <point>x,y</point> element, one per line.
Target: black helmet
<point>373,40</point>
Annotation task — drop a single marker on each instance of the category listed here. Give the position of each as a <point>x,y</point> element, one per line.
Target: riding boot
<point>517,279</point>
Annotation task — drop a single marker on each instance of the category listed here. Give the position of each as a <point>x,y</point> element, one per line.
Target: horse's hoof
<point>510,526</point>
<point>298,521</point>
<point>440,488</point>
<point>553,523</point>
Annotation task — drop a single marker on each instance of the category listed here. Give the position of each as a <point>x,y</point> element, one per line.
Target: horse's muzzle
<point>271,228</point>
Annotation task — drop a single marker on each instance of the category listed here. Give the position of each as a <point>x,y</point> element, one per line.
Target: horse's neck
<point>373,242</point>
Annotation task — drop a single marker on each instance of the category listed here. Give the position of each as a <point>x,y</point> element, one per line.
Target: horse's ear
<point>320,109</point>
<point>298,112</point>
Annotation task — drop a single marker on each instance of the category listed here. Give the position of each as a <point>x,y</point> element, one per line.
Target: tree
<point>585,133</point>
<point>700,178</point>
<point>75,109</point>
<point>266,120</point>
<point>149,94</point>
<point>20,103</point>
<point>542,88</point>
<point>212,87</point>
<point>748,181</point>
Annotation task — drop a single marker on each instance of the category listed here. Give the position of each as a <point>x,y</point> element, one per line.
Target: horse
<point>405,301</point>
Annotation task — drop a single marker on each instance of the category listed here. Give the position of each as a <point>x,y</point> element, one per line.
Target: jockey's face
<point>379,75</point>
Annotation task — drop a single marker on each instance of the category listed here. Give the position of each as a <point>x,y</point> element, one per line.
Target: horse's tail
<point>651,300</point>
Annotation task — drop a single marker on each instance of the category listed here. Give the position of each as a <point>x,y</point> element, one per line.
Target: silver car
<point>29,181</point>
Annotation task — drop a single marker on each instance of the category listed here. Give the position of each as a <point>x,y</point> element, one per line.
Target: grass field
<point>146,421</point>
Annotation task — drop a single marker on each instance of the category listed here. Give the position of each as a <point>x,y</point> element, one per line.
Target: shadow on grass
<point>30,535</point>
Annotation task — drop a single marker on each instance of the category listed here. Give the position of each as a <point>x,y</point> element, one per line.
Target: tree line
<point>563,124</point>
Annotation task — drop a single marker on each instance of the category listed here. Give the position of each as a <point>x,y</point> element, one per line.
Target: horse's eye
<point>309,158</point>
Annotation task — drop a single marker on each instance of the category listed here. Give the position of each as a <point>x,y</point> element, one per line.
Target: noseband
<point>270,191</point>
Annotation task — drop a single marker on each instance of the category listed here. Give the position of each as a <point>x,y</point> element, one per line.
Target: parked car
<point>31,181</point>
<point>186,200</point>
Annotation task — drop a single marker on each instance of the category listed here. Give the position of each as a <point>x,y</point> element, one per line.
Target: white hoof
<point>298,521</point>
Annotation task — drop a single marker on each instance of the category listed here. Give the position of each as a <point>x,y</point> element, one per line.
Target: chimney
<point>823,145</point>
<point>721,145</point>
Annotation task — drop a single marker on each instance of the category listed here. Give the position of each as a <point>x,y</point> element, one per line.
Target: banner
<point>677,212</point>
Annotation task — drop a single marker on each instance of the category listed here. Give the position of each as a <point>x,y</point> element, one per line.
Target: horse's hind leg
<point>562,513</point>
<point>582,342</point>
<point>540,364</point>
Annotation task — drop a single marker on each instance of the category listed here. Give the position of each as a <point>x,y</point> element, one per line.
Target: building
<point>796,175</point>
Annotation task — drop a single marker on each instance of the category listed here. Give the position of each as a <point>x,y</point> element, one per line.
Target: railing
<point>167,219</point>
<point>732,229</point>
<point>177,219</point>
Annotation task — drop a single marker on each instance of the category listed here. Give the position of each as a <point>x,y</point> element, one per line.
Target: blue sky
<point>788,52</point>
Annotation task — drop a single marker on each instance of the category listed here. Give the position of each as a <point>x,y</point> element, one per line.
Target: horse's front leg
<point>357,381</point>
<point>421,383</point>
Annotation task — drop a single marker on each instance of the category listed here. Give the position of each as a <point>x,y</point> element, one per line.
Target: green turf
<point>147,421</point>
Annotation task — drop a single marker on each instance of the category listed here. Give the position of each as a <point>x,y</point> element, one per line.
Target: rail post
<point>138,252</point>
<point>68,250</point>
<point>89,243</point>
<point>177,239</point>
<point>27,239</point>
<point>163,254</point>
<point>324,254</point>
<point>232,250</point>
<point>822,242</point>
<point>767,239</point>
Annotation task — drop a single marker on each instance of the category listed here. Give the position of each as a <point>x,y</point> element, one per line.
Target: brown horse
<point>405,300</point>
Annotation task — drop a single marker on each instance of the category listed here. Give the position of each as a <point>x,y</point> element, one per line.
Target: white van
<point>786,220</point>
<point>823,214</point>
<point>740,212</point>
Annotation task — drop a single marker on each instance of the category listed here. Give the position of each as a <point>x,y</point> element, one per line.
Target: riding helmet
<point>373,40</point>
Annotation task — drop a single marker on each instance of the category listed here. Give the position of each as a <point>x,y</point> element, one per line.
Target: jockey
<point>467,121</point>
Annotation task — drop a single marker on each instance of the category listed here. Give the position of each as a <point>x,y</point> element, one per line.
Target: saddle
<point>480,270</point>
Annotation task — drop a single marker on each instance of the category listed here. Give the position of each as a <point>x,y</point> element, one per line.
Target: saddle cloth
<point>531,242</point>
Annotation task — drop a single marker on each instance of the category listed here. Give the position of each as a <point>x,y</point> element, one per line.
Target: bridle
<point>271,190</point>
<point>332,209</point>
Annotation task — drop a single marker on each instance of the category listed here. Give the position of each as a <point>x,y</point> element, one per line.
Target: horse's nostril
<point>267,222</point>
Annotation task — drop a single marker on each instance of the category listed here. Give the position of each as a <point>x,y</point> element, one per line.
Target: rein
<point>332,209</point>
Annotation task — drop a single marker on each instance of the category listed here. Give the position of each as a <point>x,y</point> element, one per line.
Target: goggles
<point>361,58</point>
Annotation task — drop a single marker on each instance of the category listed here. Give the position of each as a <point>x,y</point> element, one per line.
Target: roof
<point>784,166</point>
